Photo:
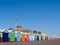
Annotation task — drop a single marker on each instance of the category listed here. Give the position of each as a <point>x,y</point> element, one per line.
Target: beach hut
<point>31,37</point>
<point>5,36</point>
<point>18,36</point>
<point>46,37</point>
<point>38,35</point>
<point>27,37</point>
<point>0,36</point>
<point>42,37</point>
<point>12,36</point>
<point>35,37</point>
<point>23,37</point>
<point>9,34</point>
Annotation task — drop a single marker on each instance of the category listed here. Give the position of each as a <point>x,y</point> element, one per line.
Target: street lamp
<point>16,17</point>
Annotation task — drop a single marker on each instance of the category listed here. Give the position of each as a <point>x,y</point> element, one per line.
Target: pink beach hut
<point>27,37</point>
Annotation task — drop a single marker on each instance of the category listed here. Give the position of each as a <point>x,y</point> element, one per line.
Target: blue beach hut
<point>18,36</point>
<point>5,36</point>
<point>35,37</point>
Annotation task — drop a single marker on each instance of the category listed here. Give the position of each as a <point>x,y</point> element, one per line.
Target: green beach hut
<point>12,36</point>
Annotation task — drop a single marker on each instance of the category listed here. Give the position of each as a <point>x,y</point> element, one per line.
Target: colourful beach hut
<point>5,36</point>
<point>35,37</point>
<point>18,36</point>
<point>31,37</point>
<point>23,37</point>
<point>27,37</point>
<point>42,37</point>
<point>46,37</point>
<point>12,36</point>
<point>39,37</point>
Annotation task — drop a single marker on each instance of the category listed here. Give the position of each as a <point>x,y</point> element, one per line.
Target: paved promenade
<point>48,42</point>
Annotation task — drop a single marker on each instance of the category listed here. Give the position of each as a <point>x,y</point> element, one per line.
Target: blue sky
<point>42,15</point>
